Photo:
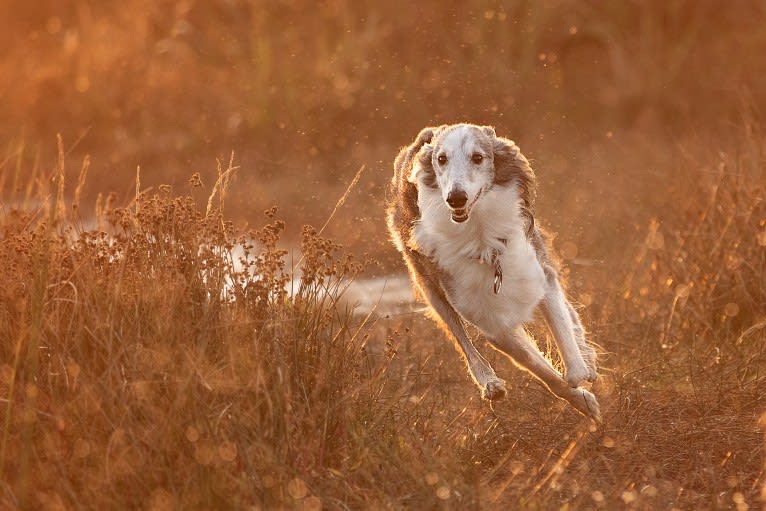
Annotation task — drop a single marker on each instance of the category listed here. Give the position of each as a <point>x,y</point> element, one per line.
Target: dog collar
<point>497,282</point>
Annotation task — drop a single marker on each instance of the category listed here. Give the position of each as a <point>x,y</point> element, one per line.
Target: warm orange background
<point>305,93</point>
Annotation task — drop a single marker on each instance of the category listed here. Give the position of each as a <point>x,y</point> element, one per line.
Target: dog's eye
<point>442,159</point>
<point>477,158</point>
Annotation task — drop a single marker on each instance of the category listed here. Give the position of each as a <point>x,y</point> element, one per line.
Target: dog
<point>461,212</point>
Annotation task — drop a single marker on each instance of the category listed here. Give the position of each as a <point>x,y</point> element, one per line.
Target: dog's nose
<point>457,199</point>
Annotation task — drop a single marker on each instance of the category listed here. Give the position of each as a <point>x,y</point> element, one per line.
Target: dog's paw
<point>586,404</point>
<point>576,376</point>
<point>494,389</point>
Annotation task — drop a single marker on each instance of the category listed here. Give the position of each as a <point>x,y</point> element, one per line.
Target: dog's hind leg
<point>579,358</point>
<point>587,351</point>
<point>522,350</point>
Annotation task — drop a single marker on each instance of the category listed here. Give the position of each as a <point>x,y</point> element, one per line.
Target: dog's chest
<point>466,256</point>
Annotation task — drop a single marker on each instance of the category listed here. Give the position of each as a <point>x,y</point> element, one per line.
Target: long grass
<point>145,365</point>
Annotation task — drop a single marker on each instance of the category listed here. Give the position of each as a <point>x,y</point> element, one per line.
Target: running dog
<point>460,210</point>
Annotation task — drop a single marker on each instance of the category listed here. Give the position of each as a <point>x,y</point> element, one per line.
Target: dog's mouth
<point>460,215</point>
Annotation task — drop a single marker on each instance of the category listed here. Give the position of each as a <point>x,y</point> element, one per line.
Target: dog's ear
<point>420,150</point>
<point>489,131</point>
<point>512,167</point>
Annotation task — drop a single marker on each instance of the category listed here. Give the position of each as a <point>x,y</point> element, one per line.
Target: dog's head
<point>464,161</point>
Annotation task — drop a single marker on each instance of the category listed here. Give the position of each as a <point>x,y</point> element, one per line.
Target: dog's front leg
<point>579,358</point>
<point>482,373</point>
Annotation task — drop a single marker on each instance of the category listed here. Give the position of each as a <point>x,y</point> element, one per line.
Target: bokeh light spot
<point>53,25</point>
<point>82,83</point>
<point>568,250</point>
<point>443,492</point>
<point>297,488</point>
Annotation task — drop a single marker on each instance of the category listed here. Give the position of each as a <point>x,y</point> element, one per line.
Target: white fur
<point>464,251</point>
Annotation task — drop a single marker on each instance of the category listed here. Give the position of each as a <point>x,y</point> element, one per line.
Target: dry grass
<point>143,367</point>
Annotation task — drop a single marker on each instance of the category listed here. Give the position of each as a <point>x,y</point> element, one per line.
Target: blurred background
<point>603,97</point>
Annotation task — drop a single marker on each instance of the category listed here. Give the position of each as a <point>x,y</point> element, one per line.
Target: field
<point>192,201</point>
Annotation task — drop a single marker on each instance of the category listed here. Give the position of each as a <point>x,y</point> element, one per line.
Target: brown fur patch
<point>512,166</point>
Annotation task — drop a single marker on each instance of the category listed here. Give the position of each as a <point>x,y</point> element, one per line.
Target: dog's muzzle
<point>459,210</point>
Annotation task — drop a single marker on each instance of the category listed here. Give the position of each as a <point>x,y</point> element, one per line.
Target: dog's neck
<point>495,223</point>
